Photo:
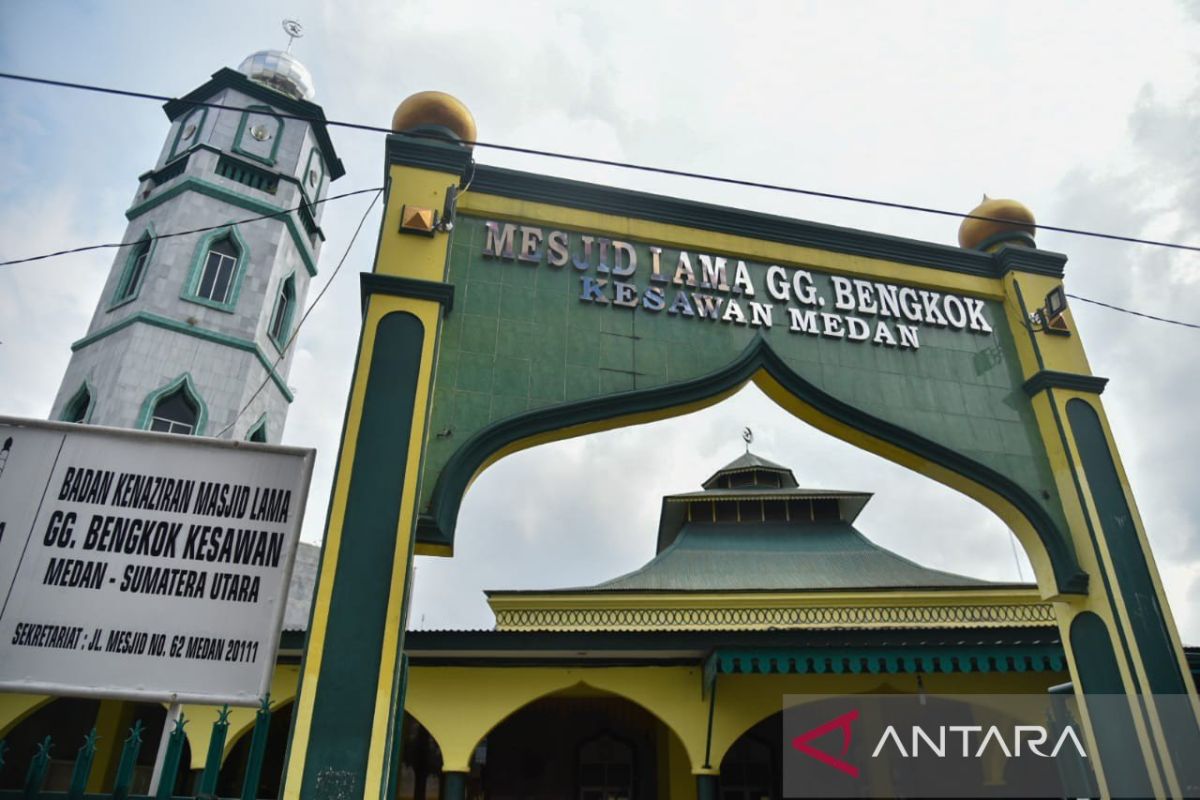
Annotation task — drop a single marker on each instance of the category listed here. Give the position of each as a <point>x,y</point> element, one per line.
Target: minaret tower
<point>189,327</point>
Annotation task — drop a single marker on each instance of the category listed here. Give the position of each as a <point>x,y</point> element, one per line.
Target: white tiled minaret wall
<point>134,349</point>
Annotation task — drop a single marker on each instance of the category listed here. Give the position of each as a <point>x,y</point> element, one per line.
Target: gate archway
<point>550,308</point>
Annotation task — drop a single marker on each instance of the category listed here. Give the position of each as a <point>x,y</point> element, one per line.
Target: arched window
<point>220,263</point>
<point>280,327</point>
<point>605,769</point>
<point>175,413</point>
<point>258,433</point>
<point>217,270</point>
<point>135,270</point>
<point>78,408</point>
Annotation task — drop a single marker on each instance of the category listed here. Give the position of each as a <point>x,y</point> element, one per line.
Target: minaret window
<point>137,268</point>
<point>176,407</point>
<point>281,317</point>
<point>219,266</point>
<point>175,413</point>
<point>136,264</point>
<point>217,270</point>
<point>79,406</point>
<point>259,432</point>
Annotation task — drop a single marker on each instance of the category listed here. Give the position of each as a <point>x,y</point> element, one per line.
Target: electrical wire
<point>1131,311</point>
<point>156,237</point>
<point>582,159</point>
<point>288,344</point>
<point>321,120</point>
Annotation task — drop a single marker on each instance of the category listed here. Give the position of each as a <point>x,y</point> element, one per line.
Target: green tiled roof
<point>749,462</point>
<point>770,556</point>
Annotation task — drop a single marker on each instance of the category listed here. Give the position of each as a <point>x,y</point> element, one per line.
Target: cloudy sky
<point>1087,112</point>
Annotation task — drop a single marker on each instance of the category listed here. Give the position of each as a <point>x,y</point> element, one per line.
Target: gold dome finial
<point>1007,221</point>
<point>436,113</point>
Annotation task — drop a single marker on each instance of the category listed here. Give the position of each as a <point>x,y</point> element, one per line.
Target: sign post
<point>144,566</point>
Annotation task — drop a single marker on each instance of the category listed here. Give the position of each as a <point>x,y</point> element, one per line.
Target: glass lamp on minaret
<point>191,333</point>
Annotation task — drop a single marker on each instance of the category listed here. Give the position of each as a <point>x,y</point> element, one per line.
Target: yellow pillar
<point>347,727</point>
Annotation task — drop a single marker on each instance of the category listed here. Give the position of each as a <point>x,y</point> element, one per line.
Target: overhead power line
<point>550,154</point>
<point>288,344</point>
<point>107,245</point>
<point>1111,307</point>
<point>619,164</point>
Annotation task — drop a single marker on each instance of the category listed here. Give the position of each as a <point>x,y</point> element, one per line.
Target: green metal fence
<point>206,785</point>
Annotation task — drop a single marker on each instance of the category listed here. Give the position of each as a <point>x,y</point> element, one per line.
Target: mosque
<point>663,682</point>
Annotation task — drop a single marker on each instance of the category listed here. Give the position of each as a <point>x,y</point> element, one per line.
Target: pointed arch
<point>460,718</point>
<point>258,431</point>
<point>81,405</point>
<point>137,264</point>
<point>182,385</point>
<point>213,281</point>
<point>1050,549</point>
<point>283,312</point>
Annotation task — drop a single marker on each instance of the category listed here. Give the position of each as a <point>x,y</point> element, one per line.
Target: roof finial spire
<point>294,30</point>
<point>747,437</point>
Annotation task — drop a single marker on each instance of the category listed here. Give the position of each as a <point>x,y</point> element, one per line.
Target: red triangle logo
<point>842,723</point>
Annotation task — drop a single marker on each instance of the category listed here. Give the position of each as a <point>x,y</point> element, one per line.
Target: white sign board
<point>141,565</point>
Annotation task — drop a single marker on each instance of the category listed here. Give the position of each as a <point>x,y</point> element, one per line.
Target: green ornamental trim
<point>372,283</point>
<point>856,660</point>
<point>1048,378</point>
<point>189,387</point>
<point>264,111</point>
<point>436,527</point>
<point>85,390</point>
<point>147,318</point>
<point>202,112</point>
<point>194,184</point>
<point>119,296</point>
<point>192,284</point>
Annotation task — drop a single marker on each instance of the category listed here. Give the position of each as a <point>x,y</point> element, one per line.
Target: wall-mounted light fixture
<point>1052,315</point>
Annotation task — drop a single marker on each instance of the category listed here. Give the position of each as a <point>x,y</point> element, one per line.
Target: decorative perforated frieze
<point>947,616</point>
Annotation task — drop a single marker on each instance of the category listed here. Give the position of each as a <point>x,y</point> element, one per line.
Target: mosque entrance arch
<point>508,308</point>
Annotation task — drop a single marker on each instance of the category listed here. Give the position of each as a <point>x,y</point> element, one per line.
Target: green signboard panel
<point>545,317</point>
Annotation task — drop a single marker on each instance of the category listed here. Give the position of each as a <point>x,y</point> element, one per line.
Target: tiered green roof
<point>753,528</point>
